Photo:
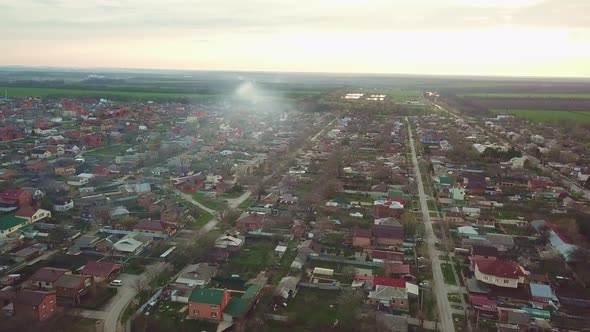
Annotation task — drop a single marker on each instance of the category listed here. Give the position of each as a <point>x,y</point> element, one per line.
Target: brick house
<point>72,286</point>
<point>170,214</point>
<point>34,305</point>
<point>250,222</point>
<point>454,217</point>
<point>101,271</point>
<point>92,140</point>
<point>65,170</point>
<point>19,197</point>
<point>155,227</point>
<point>208,304</point>
<point>378,236</point>
<point>191,185</point>
<point>362,237</point>
<point>486,221</point>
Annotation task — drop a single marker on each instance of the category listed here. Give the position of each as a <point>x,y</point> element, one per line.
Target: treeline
<point>499,155</point>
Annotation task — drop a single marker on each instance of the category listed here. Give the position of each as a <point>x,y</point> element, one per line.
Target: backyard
<point>208,202</point>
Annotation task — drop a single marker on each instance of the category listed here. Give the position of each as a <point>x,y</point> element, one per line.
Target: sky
<point>435,37</point>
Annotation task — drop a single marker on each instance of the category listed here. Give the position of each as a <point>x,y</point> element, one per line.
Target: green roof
<point>207,296</point>
<point>251,292</point>
<point>237,307</point>
<point>445,180</point>
<point>9,221</point>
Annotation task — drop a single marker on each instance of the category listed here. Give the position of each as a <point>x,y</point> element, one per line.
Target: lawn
<point>255,256</point>
<point>45,92</point>
<point>454,297</point>
<point>546,116</point>
<point>245,204</point>
<point>202,220</point>
<point>448,275</point>
<point>210,203</point>
<point>528,95</point>
<point>312,309</point>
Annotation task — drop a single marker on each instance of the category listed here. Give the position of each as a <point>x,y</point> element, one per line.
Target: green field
<point>528,95</point>
<point>547,116</point>
<point>44,92</point>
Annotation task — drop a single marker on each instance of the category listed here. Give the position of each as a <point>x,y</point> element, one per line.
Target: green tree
<point>129,222</point>
<point>57,234</point>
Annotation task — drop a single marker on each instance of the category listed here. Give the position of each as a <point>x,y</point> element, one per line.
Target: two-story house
<point>250,222</point>
<point>32,305</point>
<point>155,227</point>
<point>205,303</point>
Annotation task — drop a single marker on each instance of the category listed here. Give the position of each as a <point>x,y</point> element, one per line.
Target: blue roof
<point>541,290</point>
<point>563,248</point>
<point>538,313</point>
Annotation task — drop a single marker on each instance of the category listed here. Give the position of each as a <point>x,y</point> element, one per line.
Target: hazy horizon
<point>505,38</point>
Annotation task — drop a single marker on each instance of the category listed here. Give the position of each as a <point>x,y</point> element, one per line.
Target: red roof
<point>26,212</point>
<point>483,303</point>
<point>397,283</point>
<point>396,268</point>
<point>499,268</point>
<point>12,193</point>
<point>99,269</point>
<point>151,225</point>
<point>48,274</point>
<point>31,297</point>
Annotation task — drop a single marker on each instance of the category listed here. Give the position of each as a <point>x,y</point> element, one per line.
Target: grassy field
<point>44,92</point>
<point>448,275</point>
<point>210,203</point>
<point>546,116</point>
<point>202,220</point>
<point>528,95</point>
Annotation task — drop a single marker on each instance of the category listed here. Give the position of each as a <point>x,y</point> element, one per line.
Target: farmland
<point>547,116</point>
<point>45,92</point>
<point>528,95</point>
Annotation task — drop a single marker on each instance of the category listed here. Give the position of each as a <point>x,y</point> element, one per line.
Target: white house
<point>130,244</point>
<point>41,154</point>
<point>63,204</point>
<point>77,181</point>
<point>498,273</point>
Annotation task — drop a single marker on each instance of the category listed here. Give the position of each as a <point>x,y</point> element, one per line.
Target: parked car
<point>117,283</point>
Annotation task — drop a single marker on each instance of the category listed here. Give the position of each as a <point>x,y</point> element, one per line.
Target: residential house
<point>387,235</point>
<point>77,181</point>
<point>101,271</point>
<point>207,303</point>
<point>45,277</point>
<point>33,305</point>
<point>542,295</point>
<point>231,242</point>
<point>65,170</point>
<point>486,221</point>
<point>92,140</point>
<point>130,244</point>
<point>63,204</point>
<point>397,270</point>
<point>458,194</point>
<point>393,298</point>
<point>32,214</point>
<point>388,208</point>
<point>499,273</point>
<point>250,222</point>
<point>196,275</point>
<point>170,214</point>
<point>287,286</point>
<point>454,217</point>
<point>362,238</point>
<point>484,252</point>
<point>40,153</point>
<point>72,286</point>
<point>16,197</point>
<point>10,224</point>
<point>155,227</point>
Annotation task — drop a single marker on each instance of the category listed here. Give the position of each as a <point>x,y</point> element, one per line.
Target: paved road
<point>440,288</point>
<point>190,199</point>
<point>112,310</point>
<point>235,202</point>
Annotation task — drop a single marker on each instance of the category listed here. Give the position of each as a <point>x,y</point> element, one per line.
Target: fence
<point>334,259</point>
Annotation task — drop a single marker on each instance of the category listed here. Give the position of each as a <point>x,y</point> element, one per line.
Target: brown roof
<point>361,232</point>
<point>31,297</point>
<point>99,269</point>
<point>499,268</point>
<point>396,268</point>
<point>484,251</point>
<point>27,212</point>
<point>251,218</point>
<point>388,231</point>
<point>48,274</point>
<point>70,281</point>
<point>151,225</point>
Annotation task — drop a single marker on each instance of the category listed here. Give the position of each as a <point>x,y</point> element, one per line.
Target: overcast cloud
<point>304,35</point>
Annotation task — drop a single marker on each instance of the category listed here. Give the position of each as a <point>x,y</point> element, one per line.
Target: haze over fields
<point>459,37</point>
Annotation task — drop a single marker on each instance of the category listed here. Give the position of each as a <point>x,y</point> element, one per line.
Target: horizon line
<point>468,76</point>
